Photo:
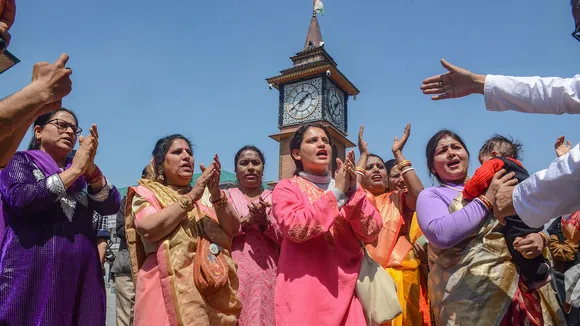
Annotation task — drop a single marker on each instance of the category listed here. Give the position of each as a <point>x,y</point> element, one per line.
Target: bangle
<point>485,202</point>
<point>359,173</point>
<point>403,165</point>
<point>361,170</point>
<point>407,170</point>
<point>186,203</point>
<point>222,201</point>
<point>95,176</point>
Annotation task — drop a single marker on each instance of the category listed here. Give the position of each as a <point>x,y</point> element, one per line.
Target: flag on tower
<point>319,7</point>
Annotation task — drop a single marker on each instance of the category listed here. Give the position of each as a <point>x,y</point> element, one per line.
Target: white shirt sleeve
<point>550,193</point>
<point>551,95</point>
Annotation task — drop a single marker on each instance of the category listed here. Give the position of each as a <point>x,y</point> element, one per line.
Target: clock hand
<point>299,102</point>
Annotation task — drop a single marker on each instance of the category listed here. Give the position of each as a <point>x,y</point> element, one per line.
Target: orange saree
<point>394,251</point>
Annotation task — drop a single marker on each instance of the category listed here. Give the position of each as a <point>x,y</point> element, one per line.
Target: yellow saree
<point>395,252</point>
<point>175,258</point>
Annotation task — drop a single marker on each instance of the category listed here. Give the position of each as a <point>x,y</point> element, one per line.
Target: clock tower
<point>313,90</point>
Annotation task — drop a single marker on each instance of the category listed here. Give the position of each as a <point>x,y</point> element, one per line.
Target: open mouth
<point>376,177</point>
<point>453,163</point>
<point>322,154</point>
<point>187,166</point>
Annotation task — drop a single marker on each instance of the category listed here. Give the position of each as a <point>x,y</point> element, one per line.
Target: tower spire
<point>314,36</point>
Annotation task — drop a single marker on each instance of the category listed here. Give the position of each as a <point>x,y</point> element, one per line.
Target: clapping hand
<point>258,213</point>
<point>362,144</point>
<point>94,136</point>
<point>213,183</point>
<point>399,144</point>
<point>562,146</point>
<point>85,155</point>
<point>345,176</point>
<point>207,174</point>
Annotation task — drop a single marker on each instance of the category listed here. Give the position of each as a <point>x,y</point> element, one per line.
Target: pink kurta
<point>256,254</point>
<point>320,255</point>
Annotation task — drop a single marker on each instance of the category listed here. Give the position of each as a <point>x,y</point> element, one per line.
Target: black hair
<point>390,164</point>
<point>297,138</point>
<point>162,147</point>
<point>43,120</point>
<point>248,148</point>
<point>505,146</point>
<point>144,172</point>
<point>432,146</point>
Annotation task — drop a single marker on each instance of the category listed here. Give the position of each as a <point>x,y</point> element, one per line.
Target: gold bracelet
<point>186,203</point>
<point>403,165</point>
<point>361,170</point>
<point>360,173</point>
<point>222,201</point>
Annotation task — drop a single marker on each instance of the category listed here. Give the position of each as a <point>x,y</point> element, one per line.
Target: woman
<point>165,225</point>
<point>395,178</point>
<point>324,221</point>
<point>472,279</point>
<point>50,273</point>
<point>255,248</point>
<point>398,249</point>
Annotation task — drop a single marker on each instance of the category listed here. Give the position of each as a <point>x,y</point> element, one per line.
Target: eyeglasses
<point>62,126</point>
<point>576,33</point>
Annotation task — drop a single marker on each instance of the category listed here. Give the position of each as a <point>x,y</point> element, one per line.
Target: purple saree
<point>50,272</point>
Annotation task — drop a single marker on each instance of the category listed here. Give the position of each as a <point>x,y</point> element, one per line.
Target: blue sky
<point>142,70</point>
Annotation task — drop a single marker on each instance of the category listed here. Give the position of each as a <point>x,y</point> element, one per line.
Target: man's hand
<point>457,82</point>
<point>504,185</point>
<point>7,16</point>
<point>52,82</point>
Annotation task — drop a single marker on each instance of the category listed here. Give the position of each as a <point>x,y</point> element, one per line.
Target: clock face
<point>336,106</point>
<point>302,100</point>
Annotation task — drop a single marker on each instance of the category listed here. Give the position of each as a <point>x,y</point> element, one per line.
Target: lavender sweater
<point>443,229</point>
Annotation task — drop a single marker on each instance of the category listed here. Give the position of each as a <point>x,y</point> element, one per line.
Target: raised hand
<point>84,154</point>
<point>341,177</point>
<point>52,82</point>
<point>458,82</point>
<point>562,146</point>
<point>207,174</point>
<point>350,169</point>
<point>95,139</point>
<point>214,182</point>
<point>399,144</point>
<point>362,144</point>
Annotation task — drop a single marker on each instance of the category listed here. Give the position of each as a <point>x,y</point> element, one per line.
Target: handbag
<point>376,292</point>
<point>210,268</point>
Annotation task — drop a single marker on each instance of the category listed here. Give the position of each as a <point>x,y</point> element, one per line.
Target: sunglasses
<point>62,126</point>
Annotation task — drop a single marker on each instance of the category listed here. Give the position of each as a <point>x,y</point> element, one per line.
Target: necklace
<point>450,187</point>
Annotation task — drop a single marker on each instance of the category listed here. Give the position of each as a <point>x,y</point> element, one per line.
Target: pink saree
<point>256,254</point>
